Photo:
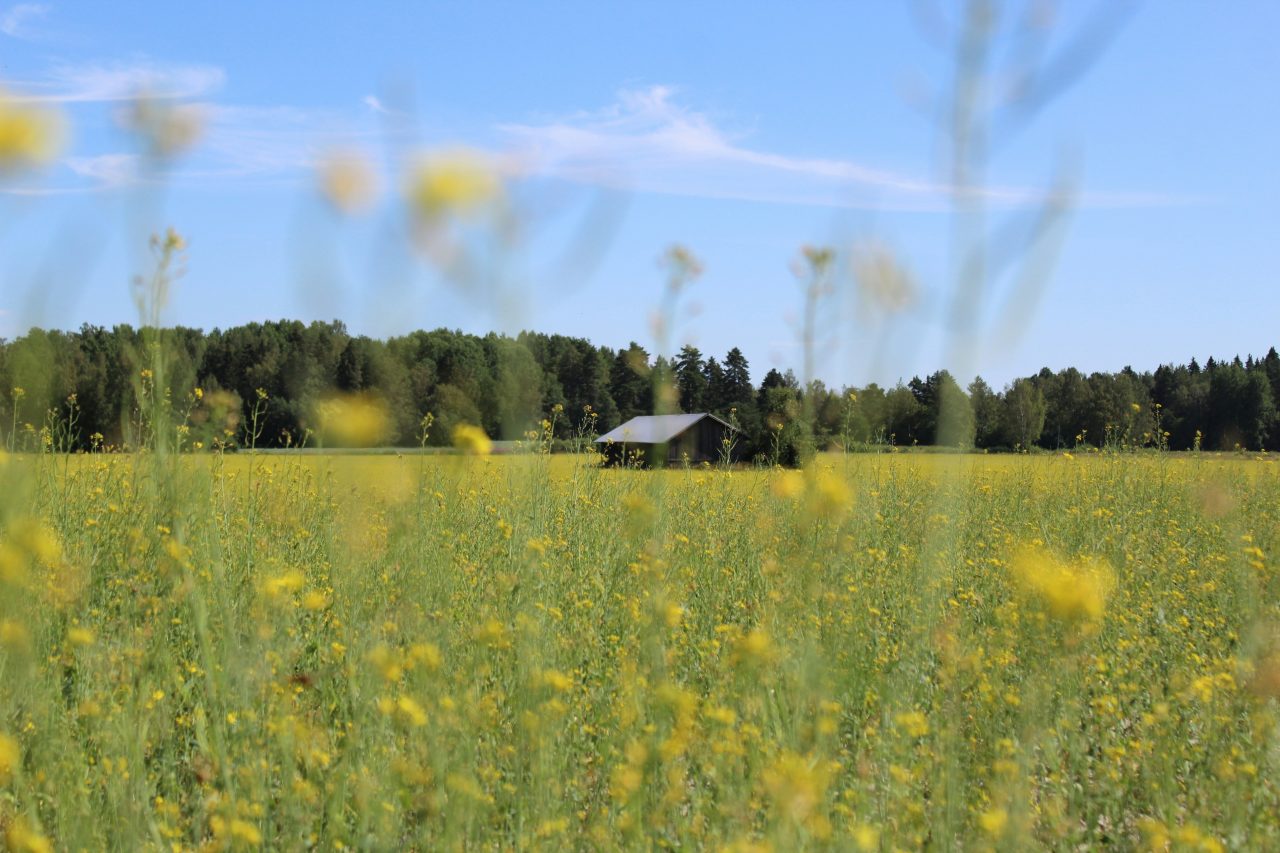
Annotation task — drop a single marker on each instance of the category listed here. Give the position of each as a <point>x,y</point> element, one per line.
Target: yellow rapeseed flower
<point>283,584</point>
<point>883,282</point>
<point>796,784</point>
<point>10,757</point>
<point>548,828</point>
<point>353,420</point>
<point>1190,837</point>
<point>242,830</point>
<point>788,484</point>
<point>347,181</point>
<point>1075,594</point>
<point>625,781</point>
<point>720,714</point>
<point>1154,833</point>
<point>411,712</point>
<point>993,821</point>
<point>639,513</point>
<point>80,637</point>
<point>14,636</point>
<point>472,440</point>
<point>914,723</point>
<point>165,128</point>
<point>13,565</point>
<point>755,648</point>
<point>38,540</point>
<point>235,830</point>
<point>456,183</point>
<point>829,495</point>
<point>388,663</point>
<point>426,655</point>
<point>866,838</point>
<point>491,633</point>
<point>1266,676</point>
<point>23,837</point>
<point>29,136</point>
<point>27,540</point>
<point>556,680</point>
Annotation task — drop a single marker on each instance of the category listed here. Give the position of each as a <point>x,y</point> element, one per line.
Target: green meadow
<point>880,652</point>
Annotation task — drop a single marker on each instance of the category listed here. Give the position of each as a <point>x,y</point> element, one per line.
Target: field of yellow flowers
<point>881,652</point>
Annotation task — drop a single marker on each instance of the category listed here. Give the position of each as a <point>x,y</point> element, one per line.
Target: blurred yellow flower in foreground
<point>753,649</point>
<point>411,711</point>
<point>22,836</point>
<point>882,280</point>
<point>10,757</point>
<point>555,679</point>
<point>167,129</point>
<point>796,784</point>
<point>235,830</point>
<point>1075,594</point>
<point>913,723</point>
<point>285,584</point>
<point>993,821</point>
<point>472,440</point>
<point>29,136</point>
<point>14,636</point>
<point>788,484</point>
<point>825,495</point>
<point>80,637</point>
<point>454,183</point>
<point>829,495</point>
<point>347,181</point>
<point>25,541</point>
<point>353,420</point>
<point>172,241</point>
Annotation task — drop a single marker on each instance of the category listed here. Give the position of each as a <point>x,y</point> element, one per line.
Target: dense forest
<point>261,382</point>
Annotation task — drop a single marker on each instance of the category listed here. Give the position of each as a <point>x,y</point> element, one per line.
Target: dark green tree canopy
<point>508,385</point>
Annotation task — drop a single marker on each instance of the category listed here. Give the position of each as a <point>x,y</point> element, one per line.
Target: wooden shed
<point>669,440</point>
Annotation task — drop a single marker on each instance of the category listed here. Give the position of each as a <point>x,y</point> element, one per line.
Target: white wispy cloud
<point>375,104</point>
<point>14,20</point>
<point>253,140</point>
<point>119,81</point>
<point>105,171</point>
<point>645,142</point>
<point>239,145</point>
<point>649,142</point>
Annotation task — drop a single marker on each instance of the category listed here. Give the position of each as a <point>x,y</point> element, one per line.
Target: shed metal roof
<point>653,429</point>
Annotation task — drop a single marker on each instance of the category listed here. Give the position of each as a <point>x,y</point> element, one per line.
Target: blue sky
<point>742,131</point>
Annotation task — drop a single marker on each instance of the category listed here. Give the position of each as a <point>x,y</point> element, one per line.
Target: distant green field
<point>400,651</point>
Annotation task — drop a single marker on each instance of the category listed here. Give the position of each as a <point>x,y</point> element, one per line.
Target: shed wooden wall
<point>702,442</point>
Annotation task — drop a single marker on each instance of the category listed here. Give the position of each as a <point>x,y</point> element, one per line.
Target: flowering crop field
<point>881,652</point>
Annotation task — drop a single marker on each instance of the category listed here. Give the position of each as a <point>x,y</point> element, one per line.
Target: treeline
<point>90,388</point>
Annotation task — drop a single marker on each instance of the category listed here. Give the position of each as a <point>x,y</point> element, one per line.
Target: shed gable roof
<point>654,429</point>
